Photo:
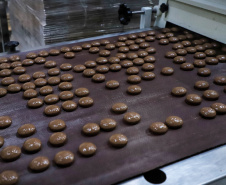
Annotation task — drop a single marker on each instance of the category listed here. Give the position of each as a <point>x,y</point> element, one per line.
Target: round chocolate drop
<point>119,108</point>
<point>88,72</point>
<point>102,69</point>
<point>169,34</point>
<point>210,95</point>
<point>160,36</point>
<point>200,55</point>
<point>131,56</point>
<point>52,110</point>
<point>45,90</point>
<point>174,122</point>
<point>5,66</point>
<point>139,40</point>
<point>3,92</point>
<point>132,36</point>
<point>170,54</point>
<point>163,41</point>
<point>14,88</point>
<point>54,52</point>
<point>114,60</point>
<point>64,158</point>
<point>3,60</point>
<point>210,52</point>
<point>110,46</point>
<point>191,50</point>
<point>150,59</point>
<point>181,52</point>
<point>220,80</point>
<point>39,164</point>
<point>57,125</point>
<point>28,85</point>
<point>167,71</point>
<point>201,85</point>
<point>179,60</point>
<point>58,139</point>
<point>98,78</point>
<point>9,177</point>
<point>123,49</point>
<point>179,91</point>
<point>1,141</point>
<point>90,64</point>
<point>53,80</point>
<point>65,49</point>
<point>138,61</point>
<point>39,82</point>
<point>144,45</point>
<point>152,32</point>
<point>86,46</point>
<point>16,64</point>
<point>181,37</point>
<point>7,81</point>
<point>69,55</point>
<point>32,145</point>
<point>134,47</point>
<point>148,67</point>
<point>66,95</point>
<point>148,76</point>
<point>53,72</point>
<point>211,60</point>
<point>221,58</point>
<point>19,70</point>
<point>187,66</point>
<point>132,118</point>
<point>13,58</point>
<point>115,67</point>
<point>79,68</point>
<point>120,44</point>
<point>40,60</point>
<point>30,93</point>
<point>150,50</point>
<point>5,72</point>
<point>177,46</point>
<point>126,63</point>
<point>26,130</point>
<point>112,84</point>
<point>101,60</point>
<point>66,67</point>
<point>158,128</point>
<point>134,79</point>
<point>35,103</point>
<point>66,77</point>
<point>193,99</point>
<point>105,53</point>
<point>38,74</point>
<point>132,71</point>
<point>69,105</point>
<point>91,129</point>
<point>108,124</point>
<point>5,121</point>
<point>50,64</point>
<point>51,99</point>
<point>204,72</point>
<point>10,153</point>
<point>104,42</point>
<point>142,54</point>
<point>87,149</point>
<point>76,48</point>
<point>220,108</point>
<point>65,86</point>
<point>81,92</point>
<point>43,53</point>
<point>134,89</point>
<point>85,102</point>
<point>200,48</point>
<point>199,63</point>
<point>118,140</point>
<point>142,35</point>
<point>173,39</point>
<point>31,55</point>
<point>207,112</point>
<point>121,56</point>
<point>24,78</point>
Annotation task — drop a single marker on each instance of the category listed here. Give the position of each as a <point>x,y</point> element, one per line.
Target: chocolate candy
<point>211,60</point>
<point>91,129</point>
<point>90,64</point>
<point>64,86</point>
<point>53,80</point>
<point>138,61</point>
<point>81,92</point>
<point>132,36</point>
<point>150,50</point>
<point>43,53</point>
<point>132,118</point>
<point>173,39</point>
<point>85,102</point>
<point>66,95</point>
<point>52,110</point>
<point>13,58</point>
<point>98,78</point>
<point>158,128</point>
<point>79,68</point>
<point>66,77</point>
<point>69,105</point>
<point>105,53</point>
<point>39,164</point>
<point>110,47</point>
<point>182,52</point>
<point>179,60</point>
<point>87,149</point>
<point>35,103</point>
<point>152,32</point>
<point>50,64</point>
<point>126,63</point>
<point>114,60</point>
<point>112,84</point>
<point>30,93</point>
<point>5,121</point>
<point>134,79</point>
<point>101,60</point>
<point>193,99</point>
<point>7,81</point>
<point>108,124</point>
<point>170,54</point>
<point>1,141</point>
<point>201,85</point>
<point>163,41</point>
<point>14,88</point>
<point>174,122</point>
<point>31,55</point>
<point>57,125</point>
<point>181,37</point>
<point>134,89</point>
<point>160,36</point>
<point>69,55</point>
<point>200,48</point>
<point>38,74</point>
<point>210,52</point>
<point>207,112</point>
<point>64,158</point>
<point>167,71</point>
<point>66,67</point>
<point>191,50</point>
<point>220,108</point>
<point>65,49</point>
<point>3,60</point>
<point>5,72</point>
<point>200,55</point>
<point>148,76</point>
<point>45,90</point>
<point>187,66</point>
<point>95,43</point>
<point>142,54</point>
<point>148,67</point>
<point>88,72</point>
<point>144,45</point>
<point>51,99</point>
<point>54,52</point>
<point>3,92</point>
<point>204,72</point>
<point>120,44</point>
<point>139,40</point>
<point>123,49</point>
<point>53,72</point>
<point>26,130</point>
<point>10,153</point>
<point>115,67</point>
<point>9,177</point>
<point>40,60</point>
<point>118,140</point>
<point>102,69</point>
<point>178,91</point>
<point>5,66</point>
<point>39,82</point>
<point>210,95</point>
<point>32,145</point>
<point>104,42</point>
<point>86,46</point>
<point>76,48</point>
<point>220,80</point>
<point>16,64</point>
<point>132,71</point>
<point>178,46</point>
<point>119,108</point>
<point>24,78</point>
<point>58,139</point>
<point>199,63</point>
<point>134,47</point>
<point>221,58</point>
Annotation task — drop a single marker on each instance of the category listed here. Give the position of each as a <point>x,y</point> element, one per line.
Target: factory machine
<point>192,154</point>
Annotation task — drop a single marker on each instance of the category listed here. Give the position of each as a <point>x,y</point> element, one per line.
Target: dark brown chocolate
<point>193,99</point>
<point>112,84</point>
<point>64,158</point>
<point>57,125</point>
<point>132,118</point>
<point>210,95</point>
<point>91,129</point>
<point>85,102</point>
<point>39,164</point>
<point>5,121</point>
<point>10,153</point>
<point>118,140</point>
<point>87,149</point>
<point>108,124</point>
<point>32,145</point>
<point>207,112</point>
<point>174,122</point>
<point>58,139</point>
<point>26,130</point>
<point>179,91</point>
<point>52,110</point>
<point>158,128</point>
<point>64,86</point>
